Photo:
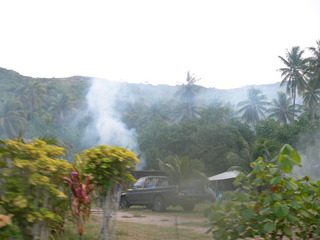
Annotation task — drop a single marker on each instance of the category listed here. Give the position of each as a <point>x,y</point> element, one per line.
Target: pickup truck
<point>156,193</point>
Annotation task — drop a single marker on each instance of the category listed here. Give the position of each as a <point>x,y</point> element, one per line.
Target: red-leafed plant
<point>81,188</point>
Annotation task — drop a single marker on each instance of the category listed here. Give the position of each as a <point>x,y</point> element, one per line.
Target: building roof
<point>224,175</point>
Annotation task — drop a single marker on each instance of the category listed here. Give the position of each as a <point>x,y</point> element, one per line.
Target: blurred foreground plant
<point>81,188</point>
<point>31,185</point>
<point>269,203</point>
<point>109,166</point>
<point>7,230</point>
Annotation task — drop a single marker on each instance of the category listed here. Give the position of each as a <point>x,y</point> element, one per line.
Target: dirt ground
<point>163,219</point>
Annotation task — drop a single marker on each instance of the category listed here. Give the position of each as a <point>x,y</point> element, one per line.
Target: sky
<point>224,43</point>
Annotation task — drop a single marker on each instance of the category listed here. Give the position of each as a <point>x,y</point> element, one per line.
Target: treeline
<point>223,135</point>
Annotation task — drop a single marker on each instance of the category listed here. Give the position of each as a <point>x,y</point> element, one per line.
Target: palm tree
<point>187,93</point>
<point>254,107</point>
<point>183,170</point>
<point>184,111</point>
<point>240,159</point>
<point>281,108</point>
<point>294,73</point>
<point>266,148</point>
<point>314,65</point>
<point>32,95</point>
<point>12,118</point>
<point>61,105</point>
<point>311,98</point>
<point>217,112</point>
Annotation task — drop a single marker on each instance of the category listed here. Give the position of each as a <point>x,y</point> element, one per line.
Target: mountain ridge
<point>162,91</point>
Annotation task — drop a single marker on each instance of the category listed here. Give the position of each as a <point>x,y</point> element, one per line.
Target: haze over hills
<point>141,91</point>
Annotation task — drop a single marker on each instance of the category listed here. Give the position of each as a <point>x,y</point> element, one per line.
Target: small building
<point>223,182</point>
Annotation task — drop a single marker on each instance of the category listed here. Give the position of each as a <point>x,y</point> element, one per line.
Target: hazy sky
<point>226,43</point>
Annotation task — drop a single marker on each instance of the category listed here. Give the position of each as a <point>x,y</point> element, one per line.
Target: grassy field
<point>137,231</point>
<point>134,231</point>
<point>198,211</point>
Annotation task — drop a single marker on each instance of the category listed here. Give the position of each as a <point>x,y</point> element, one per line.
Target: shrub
<point>269,203</point>
<point>30,185</point>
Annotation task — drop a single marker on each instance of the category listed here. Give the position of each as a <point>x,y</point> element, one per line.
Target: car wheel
<point>158,204</point>
<point>188,207</point>
<point>124,203</point>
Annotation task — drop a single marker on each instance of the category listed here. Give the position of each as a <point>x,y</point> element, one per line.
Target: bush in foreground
<point>269,203</point>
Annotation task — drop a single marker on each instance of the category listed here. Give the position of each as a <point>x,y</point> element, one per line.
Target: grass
<point>150,232</point>
<point>137,231</point>
<point>134,231</point>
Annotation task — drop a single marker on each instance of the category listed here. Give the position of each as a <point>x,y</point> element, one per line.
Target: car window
<point>139,183</point>
<point>151,182</point>
<point>162,182</point>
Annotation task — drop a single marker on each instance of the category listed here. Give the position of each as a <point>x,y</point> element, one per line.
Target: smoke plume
<point>107,127</point>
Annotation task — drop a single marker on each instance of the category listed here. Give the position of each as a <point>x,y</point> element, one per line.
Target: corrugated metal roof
<point>224,175</point>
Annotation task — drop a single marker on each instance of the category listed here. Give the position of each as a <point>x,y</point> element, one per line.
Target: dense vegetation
<point>35,202</point>
<point>270,203</point>
<point>214,126</point>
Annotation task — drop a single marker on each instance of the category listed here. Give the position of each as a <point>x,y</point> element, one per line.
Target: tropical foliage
<point>109,166</point>
<point>183,171</point>
<point>31,185</point>
<point>270,203</point>
<point>253,109</point>
<point>294,73</point>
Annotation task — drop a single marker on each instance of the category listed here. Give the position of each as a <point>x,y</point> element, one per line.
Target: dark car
<point>156,193</point>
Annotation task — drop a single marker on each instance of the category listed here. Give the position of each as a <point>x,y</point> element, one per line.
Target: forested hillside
<point>224,129</point>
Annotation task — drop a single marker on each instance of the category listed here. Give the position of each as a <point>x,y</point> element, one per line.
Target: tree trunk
<point>40,229</point>
<point>104,234</point>
<point>115,209</point>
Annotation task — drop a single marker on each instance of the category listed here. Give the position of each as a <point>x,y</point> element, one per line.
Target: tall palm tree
<point>311,98</point>
<point>281,108</point>
<point>187,93</point>
<point>314,65</point>
<point>183,111</point>
<point>253,109</point>
<point>294,73</point>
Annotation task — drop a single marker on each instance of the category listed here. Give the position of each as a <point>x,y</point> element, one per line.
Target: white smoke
<point>107,127</point>
<point>309,154</point>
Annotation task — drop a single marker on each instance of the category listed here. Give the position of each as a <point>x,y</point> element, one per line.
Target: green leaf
<point>247,213</point>
<point>265,211</point>
<point>276,197</point>
<point>259,166</point>
<point>267,199</point>
<point>275,171</point>
<point>269,227</point>
<point>292,218</point>
<point>288,158</point>
<point>242,197</point>
<point>281,210</point>
<point>276,180</point>
<point>287,231</point>
<point>290,185</point>
<point>305,214</point>
<point>257,181</point>
<point>295,204</point>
